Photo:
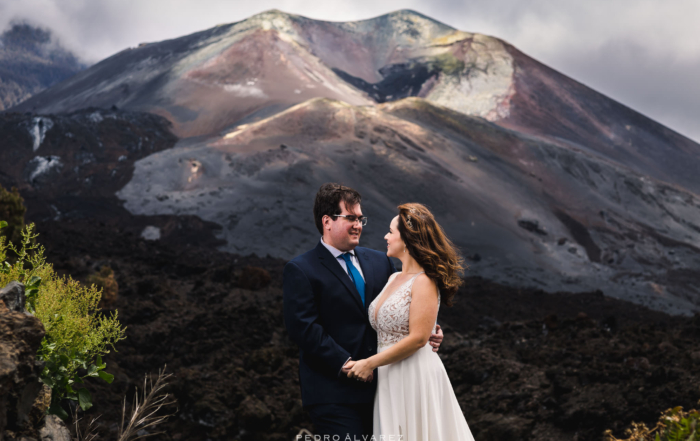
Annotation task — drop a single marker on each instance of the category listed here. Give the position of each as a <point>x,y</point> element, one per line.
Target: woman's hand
<point>436,339</point>
<point>362,370</point>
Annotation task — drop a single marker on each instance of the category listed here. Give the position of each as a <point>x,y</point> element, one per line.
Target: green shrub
<point>77,334</point>
<point>674,425</point>
<point>12,211</point>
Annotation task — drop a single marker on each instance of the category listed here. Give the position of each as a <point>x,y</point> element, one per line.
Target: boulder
<point>54,429</point>
<point>13,296</point>
<point>20,338</point>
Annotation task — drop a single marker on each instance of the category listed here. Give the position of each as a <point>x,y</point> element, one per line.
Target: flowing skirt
<point>415,401</point>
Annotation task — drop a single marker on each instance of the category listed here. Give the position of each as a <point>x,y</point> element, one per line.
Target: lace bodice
<point>391,321</point>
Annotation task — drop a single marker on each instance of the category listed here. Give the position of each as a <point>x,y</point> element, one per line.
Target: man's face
<point>340,232</point>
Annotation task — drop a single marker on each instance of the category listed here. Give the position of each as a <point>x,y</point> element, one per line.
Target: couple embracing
<point>367,334</point>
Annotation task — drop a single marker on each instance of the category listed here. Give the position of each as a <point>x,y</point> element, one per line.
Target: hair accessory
<point>408,217</point>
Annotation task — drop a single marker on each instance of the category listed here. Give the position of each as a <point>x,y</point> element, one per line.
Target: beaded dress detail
<point>391,321</point>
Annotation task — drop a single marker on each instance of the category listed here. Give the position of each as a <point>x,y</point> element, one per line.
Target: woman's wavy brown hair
<point>427,243</point>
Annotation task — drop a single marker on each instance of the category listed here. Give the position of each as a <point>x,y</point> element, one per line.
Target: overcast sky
<point>643,53</point>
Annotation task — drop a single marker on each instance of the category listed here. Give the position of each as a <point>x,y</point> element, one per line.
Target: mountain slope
<point>211,80</point>
<point>552,106</point>
<point>31,61</point>
<point>540,180</point>
<point>504,198</point>
<point>207,81</point>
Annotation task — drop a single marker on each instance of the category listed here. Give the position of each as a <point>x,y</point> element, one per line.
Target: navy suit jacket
<point>324,315</point>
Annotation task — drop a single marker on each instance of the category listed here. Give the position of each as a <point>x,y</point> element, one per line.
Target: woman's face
<point>394,243</point>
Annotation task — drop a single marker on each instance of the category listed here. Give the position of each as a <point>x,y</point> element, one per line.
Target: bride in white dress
<point>414,400</point>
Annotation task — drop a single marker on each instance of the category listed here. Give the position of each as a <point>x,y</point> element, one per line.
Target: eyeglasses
<point>352,219</point>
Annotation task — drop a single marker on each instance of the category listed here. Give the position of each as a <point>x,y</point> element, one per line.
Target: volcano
<point>541,181</point>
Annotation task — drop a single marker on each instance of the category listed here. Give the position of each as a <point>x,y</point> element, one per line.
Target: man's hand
<point>347,366</point>
<point>362,371</point>
<point>436,339</point>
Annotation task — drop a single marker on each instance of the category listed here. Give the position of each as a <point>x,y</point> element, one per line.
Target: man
<point>326,295</point>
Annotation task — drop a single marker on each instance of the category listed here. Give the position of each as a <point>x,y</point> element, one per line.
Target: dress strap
<point>414,277</point>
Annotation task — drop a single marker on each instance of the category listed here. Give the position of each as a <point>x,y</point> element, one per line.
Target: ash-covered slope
<point>224,76</point>
<point>31,60</point>
<point>552,106</point>
<point>207,81</point>
<point>504,198</point>
<point>541,180</point>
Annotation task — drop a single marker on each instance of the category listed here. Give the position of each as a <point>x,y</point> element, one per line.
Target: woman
<point>414,399</point>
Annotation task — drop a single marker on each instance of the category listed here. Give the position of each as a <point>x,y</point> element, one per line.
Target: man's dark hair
<point>328,201</point>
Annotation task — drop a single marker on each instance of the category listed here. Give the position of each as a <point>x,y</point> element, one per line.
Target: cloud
<point>642,53</point>
<point>663,87</point>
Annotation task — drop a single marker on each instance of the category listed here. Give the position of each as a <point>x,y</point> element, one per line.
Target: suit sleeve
<point>302,320</point>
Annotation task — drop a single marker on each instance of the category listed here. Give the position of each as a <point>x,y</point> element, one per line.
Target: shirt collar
<point>334,251</point>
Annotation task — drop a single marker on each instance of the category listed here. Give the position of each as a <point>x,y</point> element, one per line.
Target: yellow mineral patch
<point>452,38</point>
<point>236,131</point>
<point>308,103</point>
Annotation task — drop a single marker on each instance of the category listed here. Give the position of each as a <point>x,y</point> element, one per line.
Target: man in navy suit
<point>327,291</point>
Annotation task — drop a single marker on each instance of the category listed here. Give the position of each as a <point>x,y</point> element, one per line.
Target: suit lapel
<point>368,272</point>
<point>334,267</point>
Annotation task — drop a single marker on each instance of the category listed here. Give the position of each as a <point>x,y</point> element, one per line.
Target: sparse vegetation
<point>674,425</point>
<point>447,63</point>
<point>144,412</point>
<point>145,408</point>
<point>77,334</point>
<point>12,211</point>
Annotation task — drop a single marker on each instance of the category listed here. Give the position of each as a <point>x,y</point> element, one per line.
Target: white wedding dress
<point>414,400</point>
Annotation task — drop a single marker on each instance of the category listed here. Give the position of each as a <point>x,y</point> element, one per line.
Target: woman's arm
<point>422,316</point>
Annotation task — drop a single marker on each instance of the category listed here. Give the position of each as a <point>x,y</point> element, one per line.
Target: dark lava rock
<point>532,226</point>
<point>518,372</point>
<point>497,427</point>
<point>254,278</point>
<point>71,165</point>
<point>254,414</point>
<point>20,339</point>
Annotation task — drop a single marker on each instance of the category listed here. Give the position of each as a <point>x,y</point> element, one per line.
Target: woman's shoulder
<point>424,284</point>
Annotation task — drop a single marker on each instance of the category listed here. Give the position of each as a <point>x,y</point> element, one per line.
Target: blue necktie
<point>355,276</point>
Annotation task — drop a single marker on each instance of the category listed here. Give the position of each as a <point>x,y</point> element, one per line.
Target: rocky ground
<point>524,364</point>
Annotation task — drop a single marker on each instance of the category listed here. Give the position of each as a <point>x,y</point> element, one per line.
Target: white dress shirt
<point>337,254</point>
